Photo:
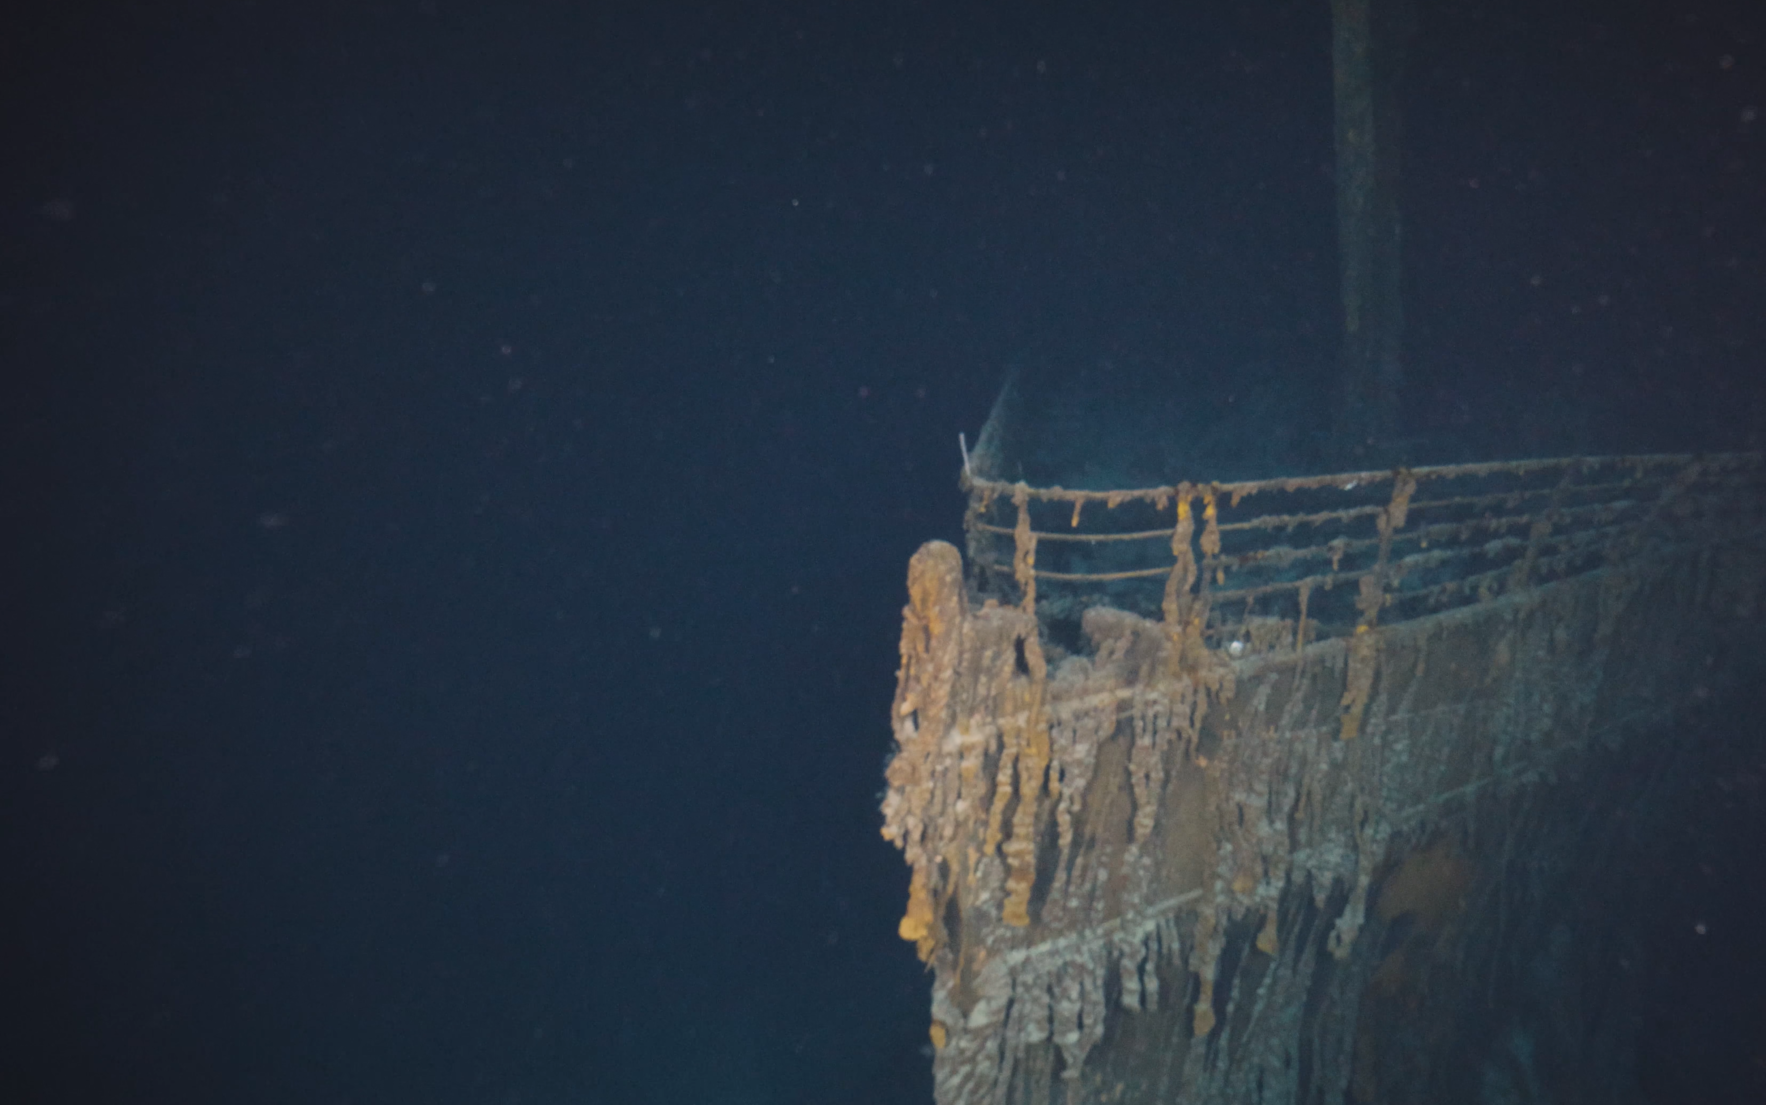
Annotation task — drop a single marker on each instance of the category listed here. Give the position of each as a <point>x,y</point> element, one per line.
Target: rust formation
<point>1164,757</point>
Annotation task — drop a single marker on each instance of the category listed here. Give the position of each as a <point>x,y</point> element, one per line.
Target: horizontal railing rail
<point>1279,563</point>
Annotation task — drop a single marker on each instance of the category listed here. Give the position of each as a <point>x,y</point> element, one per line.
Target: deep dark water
<point>1704,1037</point>
<point>461,461</point>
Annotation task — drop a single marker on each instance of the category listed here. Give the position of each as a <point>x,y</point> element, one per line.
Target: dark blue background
<point>460,463</point>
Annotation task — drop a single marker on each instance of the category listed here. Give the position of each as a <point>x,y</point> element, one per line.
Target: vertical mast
<point>1367,57</point>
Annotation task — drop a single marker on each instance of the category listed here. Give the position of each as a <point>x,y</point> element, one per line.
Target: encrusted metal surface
<point>1150,808</point>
